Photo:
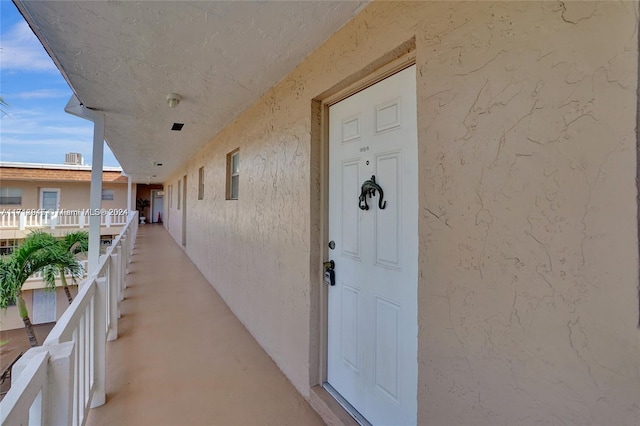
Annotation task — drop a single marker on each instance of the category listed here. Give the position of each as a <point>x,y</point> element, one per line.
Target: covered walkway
<point>183,358</point>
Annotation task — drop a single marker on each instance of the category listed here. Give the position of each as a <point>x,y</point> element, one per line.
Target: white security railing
<point>109,220</point>
<point>57,383</point>
<point>80,219</point>
<point>84,264</point>
<point>35,220</point>
<point>10,219</point>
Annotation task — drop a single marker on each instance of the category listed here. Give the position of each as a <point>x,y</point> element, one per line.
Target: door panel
<point>349,332</point>
<point>386,346</point>
<point>372,326</point>
<point>350,222</point>
<point>44,306</point>
<point>387,235</point>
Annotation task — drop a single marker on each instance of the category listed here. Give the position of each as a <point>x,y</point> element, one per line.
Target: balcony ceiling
<point>124,57</point>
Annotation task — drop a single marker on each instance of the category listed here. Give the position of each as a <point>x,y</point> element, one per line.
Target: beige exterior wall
<point>58,232</point>
<point>528,303</point>
<point>73,195</point>
<point>10,319</point>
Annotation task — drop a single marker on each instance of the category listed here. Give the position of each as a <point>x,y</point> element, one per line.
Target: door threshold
<point>345,404</point>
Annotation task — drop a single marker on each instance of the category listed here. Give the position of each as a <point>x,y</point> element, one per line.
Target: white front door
<point>49,204</point>
<point>158,206</point>
<point>44,306</point>
<point>49,199</point>
<point>372,321</point>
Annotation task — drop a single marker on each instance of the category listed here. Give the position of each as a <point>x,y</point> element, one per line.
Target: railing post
<point>124,250</point>
<point>121,272</point>
<point>114,295</point>
<point>108,266</point>
<point>100,343</point>
<point>133,230</point>
<point>22,221</point>
<point>123,241</point>
<point>37,413</point>
<point>108,220</point>
<point>81,220</point>
<point>126,255</point>
<point>58,408</point>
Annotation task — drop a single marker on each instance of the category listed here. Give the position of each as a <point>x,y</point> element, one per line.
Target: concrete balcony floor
<point>183,358</point>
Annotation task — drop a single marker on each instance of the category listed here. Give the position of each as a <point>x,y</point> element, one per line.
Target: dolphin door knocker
<point>369,188</point>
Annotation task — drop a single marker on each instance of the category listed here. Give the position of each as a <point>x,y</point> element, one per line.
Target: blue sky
<point>36,129</point>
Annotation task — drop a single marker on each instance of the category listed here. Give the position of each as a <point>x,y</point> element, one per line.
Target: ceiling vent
<point>177,126</point>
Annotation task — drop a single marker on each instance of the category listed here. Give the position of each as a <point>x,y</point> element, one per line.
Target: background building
<point>53,198</point>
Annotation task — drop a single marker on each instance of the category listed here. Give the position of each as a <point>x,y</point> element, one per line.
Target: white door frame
<point>350,87</point>
<point>169,204</point>
<point>184,211</point>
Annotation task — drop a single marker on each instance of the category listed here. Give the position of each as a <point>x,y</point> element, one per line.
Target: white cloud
<point>43,94</point>
<point>43,124</point>
<point>39,135</point>
<point>21,50</point>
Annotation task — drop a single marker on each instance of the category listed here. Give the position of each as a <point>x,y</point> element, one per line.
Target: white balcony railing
<point>10,219</point>
<point>84,264</point>
<point>80,219</point>
<point>57,383</point>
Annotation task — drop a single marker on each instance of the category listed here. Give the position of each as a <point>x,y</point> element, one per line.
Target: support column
<point>74,107</point>
<point>129,194</point>
<point>95,200</point>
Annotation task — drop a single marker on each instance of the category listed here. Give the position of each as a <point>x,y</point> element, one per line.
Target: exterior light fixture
<point>173,99</point>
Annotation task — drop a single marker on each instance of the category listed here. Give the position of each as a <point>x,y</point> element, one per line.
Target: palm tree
<point>3,104</point>
<point>75,243</point>
<point>39,252</point>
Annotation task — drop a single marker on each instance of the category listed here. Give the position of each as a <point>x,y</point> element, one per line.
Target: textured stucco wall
<point>528,236</point>
<point>528,245</point>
